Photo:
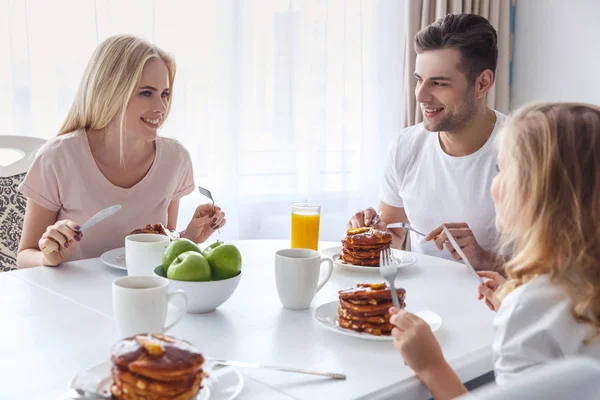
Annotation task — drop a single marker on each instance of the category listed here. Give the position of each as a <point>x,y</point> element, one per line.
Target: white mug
<point>143,252</point>
<point>140,304</point>
<point>297,276</point>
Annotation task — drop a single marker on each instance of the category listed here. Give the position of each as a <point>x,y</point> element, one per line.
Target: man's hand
<point>365,218</point>
<point>479,258</point>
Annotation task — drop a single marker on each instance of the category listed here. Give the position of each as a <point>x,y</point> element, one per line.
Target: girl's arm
<point>442,382</point>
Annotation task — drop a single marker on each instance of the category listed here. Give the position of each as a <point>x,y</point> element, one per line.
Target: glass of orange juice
<point>306,218</point>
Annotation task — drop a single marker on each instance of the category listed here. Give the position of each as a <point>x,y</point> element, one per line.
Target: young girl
<point>547,199</point>
<point>108,152</point>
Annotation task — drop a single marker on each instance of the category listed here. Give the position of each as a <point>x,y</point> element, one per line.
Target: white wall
<point>556,51</point>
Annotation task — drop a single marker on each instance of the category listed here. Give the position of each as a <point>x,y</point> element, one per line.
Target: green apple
<point>225,260</point>
<point>175,248</point>
<point>210,248</point>
<point>189,266</point>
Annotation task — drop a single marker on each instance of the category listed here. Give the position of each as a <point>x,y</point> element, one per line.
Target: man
<point>439,172</point>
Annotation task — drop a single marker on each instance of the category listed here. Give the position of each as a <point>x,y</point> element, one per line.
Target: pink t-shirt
<point>64,177</point>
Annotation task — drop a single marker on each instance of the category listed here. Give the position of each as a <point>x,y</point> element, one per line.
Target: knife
<point>97,218</point>
<point>460,253</point>
<point>376,219</point>
<point>244,364</point>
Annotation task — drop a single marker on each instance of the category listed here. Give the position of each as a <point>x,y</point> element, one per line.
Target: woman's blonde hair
<point>109,81</point>
<point>550,211</point>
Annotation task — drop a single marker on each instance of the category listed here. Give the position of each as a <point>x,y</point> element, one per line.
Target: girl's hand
<point>488,291</point>
<point>204,223</point>
<point>415,341</point>
<point>59,242</point>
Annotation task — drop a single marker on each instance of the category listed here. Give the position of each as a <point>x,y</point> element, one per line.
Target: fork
<point>206,193</point>
<point>404,225</point>
<point>388,271</point>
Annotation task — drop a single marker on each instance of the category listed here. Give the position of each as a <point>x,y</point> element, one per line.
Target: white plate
<point>223,383</point>
<point>405,258</point>
<point>327,313</point>
<point>115,258</point>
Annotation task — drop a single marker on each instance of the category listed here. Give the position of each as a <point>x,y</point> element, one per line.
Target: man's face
<point>446,98</point>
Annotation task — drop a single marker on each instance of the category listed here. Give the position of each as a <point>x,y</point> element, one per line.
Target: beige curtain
<point>421,13</point>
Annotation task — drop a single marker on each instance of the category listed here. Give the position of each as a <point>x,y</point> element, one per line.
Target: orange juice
<point>305,229</point>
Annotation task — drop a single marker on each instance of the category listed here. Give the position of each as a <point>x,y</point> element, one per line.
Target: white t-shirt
<point>435,188</point>
<point>534,325</point>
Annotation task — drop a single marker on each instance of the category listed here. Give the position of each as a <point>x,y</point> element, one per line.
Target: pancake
<point>157,229</point>
<point>156,367</point>
<point>372,319</point>
<point>361,246</point>
<point>377,309</point>
<point>135,387</point>
<point>365,308</point>
<point>377,291</point>
<point>361,326</point>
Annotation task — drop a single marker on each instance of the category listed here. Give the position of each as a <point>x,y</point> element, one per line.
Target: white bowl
<point>203,297</point>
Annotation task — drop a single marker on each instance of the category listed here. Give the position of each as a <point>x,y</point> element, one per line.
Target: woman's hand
<point>59,242</point>
<point>205,222</point>
<point>415,341</point>
<point>488,291</point>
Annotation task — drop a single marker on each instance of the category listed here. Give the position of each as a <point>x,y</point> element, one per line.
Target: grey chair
<point>12,203</point>
<point>572,378</point>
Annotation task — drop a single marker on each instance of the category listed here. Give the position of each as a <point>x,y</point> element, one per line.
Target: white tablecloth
<point>58,321</point>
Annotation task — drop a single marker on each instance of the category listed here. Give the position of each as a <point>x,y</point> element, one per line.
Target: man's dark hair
<point>471,34</point>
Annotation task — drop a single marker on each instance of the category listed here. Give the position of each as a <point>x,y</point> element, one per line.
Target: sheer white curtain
<point>277,101</point>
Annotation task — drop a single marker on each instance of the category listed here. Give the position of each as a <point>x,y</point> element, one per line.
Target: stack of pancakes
<point>365,308</point>
<point>155,367</point>
<point>361,246</point>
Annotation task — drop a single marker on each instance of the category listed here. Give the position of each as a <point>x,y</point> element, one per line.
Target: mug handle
<point>171,295</point>
<point>329,272</point>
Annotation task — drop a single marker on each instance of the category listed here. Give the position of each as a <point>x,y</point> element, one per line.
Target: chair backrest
<point>576,377</point>
<point>12,203</point>
<point>27,146</point>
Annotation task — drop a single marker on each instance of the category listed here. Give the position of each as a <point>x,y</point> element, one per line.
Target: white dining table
<point>57,321</point>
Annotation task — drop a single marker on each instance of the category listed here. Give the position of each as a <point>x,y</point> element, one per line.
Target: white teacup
<point>140,304</point>
<point>297,276</point>
<point>143,252</point>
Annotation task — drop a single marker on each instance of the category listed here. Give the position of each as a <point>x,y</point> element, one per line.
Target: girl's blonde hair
<point>550,211</point>
<point>109,81</point>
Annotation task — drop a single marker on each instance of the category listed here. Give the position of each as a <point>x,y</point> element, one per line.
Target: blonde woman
<point>547,199</point>
<point>108,152</point>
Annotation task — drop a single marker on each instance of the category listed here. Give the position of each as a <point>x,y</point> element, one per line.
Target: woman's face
<point>148,105</point>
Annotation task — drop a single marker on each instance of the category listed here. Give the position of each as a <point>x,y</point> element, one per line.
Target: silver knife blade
<point>99,217</point>
<point>460,252</point>
<point>243,364</point>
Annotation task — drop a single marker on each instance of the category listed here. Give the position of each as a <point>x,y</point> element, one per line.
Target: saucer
<point>115,258</point>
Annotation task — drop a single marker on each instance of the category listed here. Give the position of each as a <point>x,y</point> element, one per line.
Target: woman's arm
<point>42,231</point>
<point>172,214</point>
<point>37,219</point>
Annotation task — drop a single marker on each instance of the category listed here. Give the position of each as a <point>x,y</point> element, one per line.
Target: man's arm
<point>391,214</point>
